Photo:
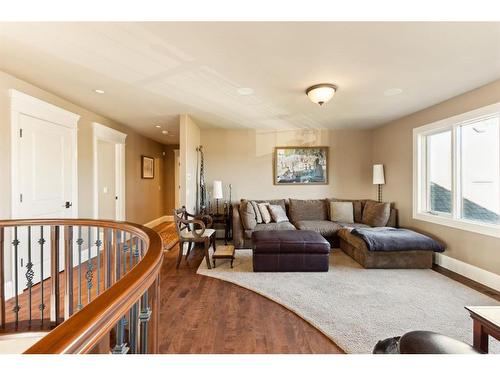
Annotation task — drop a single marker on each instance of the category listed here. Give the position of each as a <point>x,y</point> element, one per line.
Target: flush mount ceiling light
<point>321,93</point>
<point>99,91</point>
<point>158,126</point>
<point>164,132</point>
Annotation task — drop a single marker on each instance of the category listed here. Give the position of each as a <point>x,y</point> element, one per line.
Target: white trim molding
<point>420,170</point>
<point>487,278</point>
<point>31,106</point>
<point>106,134</point>
<point>158,221</point>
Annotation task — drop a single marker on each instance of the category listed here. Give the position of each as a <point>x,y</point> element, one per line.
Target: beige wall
<point>244,158</point>
<point>145,199</point>
<point>392,146</point>
<point>189,135</point>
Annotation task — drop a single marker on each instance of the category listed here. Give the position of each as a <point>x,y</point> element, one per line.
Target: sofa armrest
<point>238,231</point>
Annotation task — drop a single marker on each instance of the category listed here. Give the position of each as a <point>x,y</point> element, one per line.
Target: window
<point>457,171</point>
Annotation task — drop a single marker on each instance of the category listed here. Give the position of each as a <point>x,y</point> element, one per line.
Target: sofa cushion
<point>324,227</point>
<point>258,216</point>
<point>342,212</point>
<point>286,225</point>
<point>376,214</point>
<point>309,209</point>
<point>247,214</point>
<point>350,226</point>
<point>264,212</point>
<point>278,214</point>
<point>357,205</point>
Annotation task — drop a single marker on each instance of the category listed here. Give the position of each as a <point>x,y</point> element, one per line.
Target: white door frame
<point>177,185</point>
<point>104,133</point>
<point>24,104</point>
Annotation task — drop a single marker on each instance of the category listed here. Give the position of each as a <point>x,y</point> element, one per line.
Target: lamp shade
<point>217,193</point>
<point>378,174</point>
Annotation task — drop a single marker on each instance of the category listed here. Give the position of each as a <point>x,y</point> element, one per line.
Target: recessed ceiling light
<point>392,92</point>
<point>157,126</point>
<point>245,91</point>
<point>164,132</point>
<point>99,91</point>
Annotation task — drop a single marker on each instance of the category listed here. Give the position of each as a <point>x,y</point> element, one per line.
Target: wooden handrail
<point>82,331</point>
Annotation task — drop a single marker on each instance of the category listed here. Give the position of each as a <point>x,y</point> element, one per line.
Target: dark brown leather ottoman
<point>290,251</point>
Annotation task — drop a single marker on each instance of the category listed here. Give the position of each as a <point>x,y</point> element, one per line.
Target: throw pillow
<point>247,214</point>
<point>258,216</point>
<point>278,214</point>
<point>342,212</point>
<point>264,211</point>
<point>376,214</point>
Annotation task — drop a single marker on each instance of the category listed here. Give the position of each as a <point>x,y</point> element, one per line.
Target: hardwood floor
<point>200,314</point>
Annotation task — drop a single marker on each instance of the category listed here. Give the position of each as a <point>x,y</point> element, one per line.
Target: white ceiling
<point>152,72</point>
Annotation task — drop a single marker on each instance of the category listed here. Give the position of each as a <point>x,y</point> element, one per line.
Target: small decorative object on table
<point>223,252</point>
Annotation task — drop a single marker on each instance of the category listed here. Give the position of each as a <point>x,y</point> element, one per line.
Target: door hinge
<point>20,133</point>
<point>22,262</point>
<point>21,198</point>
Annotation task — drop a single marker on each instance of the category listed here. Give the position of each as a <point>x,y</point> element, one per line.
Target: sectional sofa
<point>314,214</point>
<point>310,214</point>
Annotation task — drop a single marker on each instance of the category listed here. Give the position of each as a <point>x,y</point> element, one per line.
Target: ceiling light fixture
<point>99,91</point>
<point>164,132</point>
<point>157,126</point>
<point>321,93</point>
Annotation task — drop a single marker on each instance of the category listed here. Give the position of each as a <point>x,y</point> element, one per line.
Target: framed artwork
<point>147,167</point>
<point>300,165</point>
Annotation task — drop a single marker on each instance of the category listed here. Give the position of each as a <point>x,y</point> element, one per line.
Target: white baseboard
<point>158,221</point>
<point>477,274</point>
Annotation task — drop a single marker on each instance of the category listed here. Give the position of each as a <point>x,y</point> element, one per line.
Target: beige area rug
<point>356,307</point>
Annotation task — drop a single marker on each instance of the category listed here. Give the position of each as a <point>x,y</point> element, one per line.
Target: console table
<point>486,322</point>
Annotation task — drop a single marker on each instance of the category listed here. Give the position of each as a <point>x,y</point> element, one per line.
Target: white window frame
<point>420,169</point>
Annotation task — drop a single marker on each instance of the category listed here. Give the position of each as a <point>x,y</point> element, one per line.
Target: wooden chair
<point>192,229</point>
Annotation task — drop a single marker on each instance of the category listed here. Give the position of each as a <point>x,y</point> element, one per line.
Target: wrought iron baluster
<point>2,281</point>
<point>109,258</point>
<point>29,274</point>
<point>144,318</point>
<point>118,249</point>
<point>79,242</point>
<point>125,250</point>
<point>134,258</point>
<point>16,308</point>
<point>98,244</point>
<point>68,271</point>
<point>90,268</point>
<point>54,276</point>
<point>41,307</point>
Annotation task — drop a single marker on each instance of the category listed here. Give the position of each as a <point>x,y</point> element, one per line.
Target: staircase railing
<point>94,284</point>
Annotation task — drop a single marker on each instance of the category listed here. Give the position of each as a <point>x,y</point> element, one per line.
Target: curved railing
<point>94,284</point>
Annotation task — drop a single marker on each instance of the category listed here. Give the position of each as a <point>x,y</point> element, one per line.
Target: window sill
<point>485,229</point>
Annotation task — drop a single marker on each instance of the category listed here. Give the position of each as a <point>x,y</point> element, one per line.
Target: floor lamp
<point>379,178</point>
<point>217,193</point>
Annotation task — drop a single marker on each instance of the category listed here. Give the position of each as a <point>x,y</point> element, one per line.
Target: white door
<point>45,178</point>
<point>106,180</point>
